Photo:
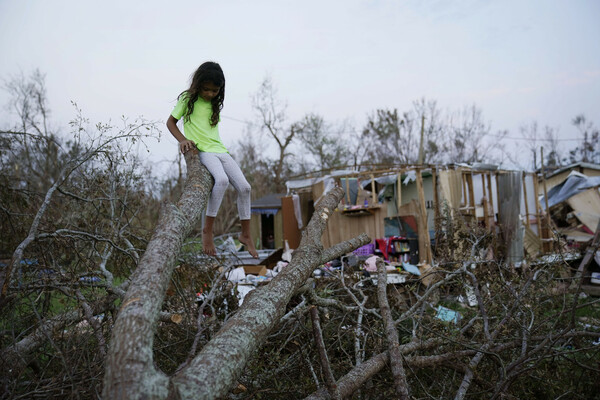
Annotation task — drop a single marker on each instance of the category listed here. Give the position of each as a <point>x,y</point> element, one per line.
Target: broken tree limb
<point>130,371</point>
<point>358,375</point>
<point>212,372</point>
<point>325,365</point>
<point>589,255</point>
<point>15,357</point>
<point>391,334</point>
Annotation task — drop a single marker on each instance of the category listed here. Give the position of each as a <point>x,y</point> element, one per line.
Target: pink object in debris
<point>371,264</point>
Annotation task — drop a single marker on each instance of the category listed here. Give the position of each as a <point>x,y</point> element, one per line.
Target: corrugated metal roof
<point>272,200</point>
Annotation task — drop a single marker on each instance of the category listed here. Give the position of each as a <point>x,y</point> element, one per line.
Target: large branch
<point>325,365</point>
<point>357,376</point>
<point>16,356</point>
<point>130,371</point>
<point>221,361</point>
<point>393,342</point>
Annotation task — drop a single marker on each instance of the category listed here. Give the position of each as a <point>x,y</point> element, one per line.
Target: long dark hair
<point>207,72</point>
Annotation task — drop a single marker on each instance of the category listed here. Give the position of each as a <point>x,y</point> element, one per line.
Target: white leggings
<point>224,169</point>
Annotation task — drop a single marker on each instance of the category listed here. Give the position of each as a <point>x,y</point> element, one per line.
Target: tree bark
<point>130,371</point>
<point>221,361</point>
<point>391,334</point>
<point>325,365</point>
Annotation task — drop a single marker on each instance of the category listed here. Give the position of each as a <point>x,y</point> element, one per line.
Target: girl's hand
<point>186,145</point>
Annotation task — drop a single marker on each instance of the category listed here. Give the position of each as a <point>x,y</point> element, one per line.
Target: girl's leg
<point>213,164</point>
<point>208,244</point>
<point>241,185</point>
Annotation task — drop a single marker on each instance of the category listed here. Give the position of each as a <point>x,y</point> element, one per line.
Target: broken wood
<point>391,334</point>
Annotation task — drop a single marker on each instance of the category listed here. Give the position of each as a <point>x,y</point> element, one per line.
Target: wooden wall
<point>343,227</point>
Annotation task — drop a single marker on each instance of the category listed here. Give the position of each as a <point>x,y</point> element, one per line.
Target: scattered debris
<point>447,315</point>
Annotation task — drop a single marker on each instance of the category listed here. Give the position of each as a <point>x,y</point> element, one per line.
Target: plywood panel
<point>342,227</point>
<point>532,243</point>
<point>424,240</point>
<point>450,182</point>
<point>586,206</point>
<point>256,229</point>
<point>291,233</point>
<point>278,229</point>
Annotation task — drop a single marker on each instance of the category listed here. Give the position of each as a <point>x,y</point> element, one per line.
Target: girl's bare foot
<point>208,245</point>
<point>247,241</point>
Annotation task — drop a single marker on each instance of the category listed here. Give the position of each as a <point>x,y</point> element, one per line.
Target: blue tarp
<point>573,185</point>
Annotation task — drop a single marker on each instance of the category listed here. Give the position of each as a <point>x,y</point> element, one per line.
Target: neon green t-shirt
<point>198,128</point>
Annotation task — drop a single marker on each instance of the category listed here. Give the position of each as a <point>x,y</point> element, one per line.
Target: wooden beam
<point>538,219</point>
<point>436,199</point>
<point>547,214</point>
<point>491,194</point>
<point>373,195</point>
<point>497,194</point>
<point>525,199</point>
<point>399,192</point>
<point>348,190</point>
<point>483,183</point>
<point>471,192</point>
<point>464,186</point>
<point>424,240</point>
<point>484,203</point>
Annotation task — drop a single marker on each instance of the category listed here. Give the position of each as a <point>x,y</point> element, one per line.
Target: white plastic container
<point>595,278</point>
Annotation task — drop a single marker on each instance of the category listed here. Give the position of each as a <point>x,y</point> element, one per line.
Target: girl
<point>200,106</point>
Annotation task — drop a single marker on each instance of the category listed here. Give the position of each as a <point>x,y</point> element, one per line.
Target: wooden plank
<point>589,255</point>
<point>525,199</point>
<point>532,243</point>
<point>497,195</point>
<point>424,240</point>
<point>278,230</point>
<point>483,183</point>
<point>491,199</point>
<point>586,207</point>
<point>471,192</point>
<point>485,203</point>
<point>436,198</point>
<point>256,230</point>
<point>341,227</point>
<point>291,233</point>
<point>399,192</point>
<point>464,187</point>
<point>373,194</point>
<point>536,189</point>
<point>348,200</point>
<point>547,214</point>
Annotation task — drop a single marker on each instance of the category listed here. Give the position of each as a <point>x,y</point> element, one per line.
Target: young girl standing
<point>200,106</point>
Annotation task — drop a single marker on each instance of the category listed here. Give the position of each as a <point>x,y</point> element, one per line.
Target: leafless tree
<point>272,116</point>
<point>469,137</point>
<point>588,149</point>
<point>324,142</point>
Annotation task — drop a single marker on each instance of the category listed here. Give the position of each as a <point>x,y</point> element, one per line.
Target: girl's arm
<point>184,144</point>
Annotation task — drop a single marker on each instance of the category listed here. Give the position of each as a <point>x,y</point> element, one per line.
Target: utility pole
<point>421,155</point>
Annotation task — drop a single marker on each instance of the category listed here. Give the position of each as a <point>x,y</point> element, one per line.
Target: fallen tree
<point>130,371</point>
<point>296,337</point>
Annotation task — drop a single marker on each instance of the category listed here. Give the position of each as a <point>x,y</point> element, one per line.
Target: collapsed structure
<point>402,204</point>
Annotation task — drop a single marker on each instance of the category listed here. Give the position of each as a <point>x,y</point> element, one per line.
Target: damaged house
<point>402,204</point>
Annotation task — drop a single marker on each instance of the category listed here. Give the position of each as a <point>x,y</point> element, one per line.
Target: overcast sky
<point>518,60</point>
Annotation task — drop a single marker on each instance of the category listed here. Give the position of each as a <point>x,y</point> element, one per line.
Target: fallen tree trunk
<point>130,371</point>
<point>211,373</point>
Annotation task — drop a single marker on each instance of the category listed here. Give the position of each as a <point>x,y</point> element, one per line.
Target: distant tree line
<point>392,137</point>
